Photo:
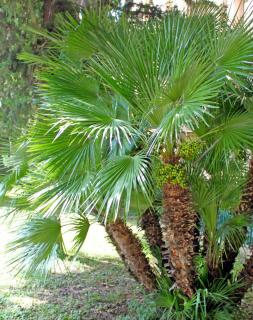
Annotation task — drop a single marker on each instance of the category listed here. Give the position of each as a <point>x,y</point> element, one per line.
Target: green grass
<point>94,289</point>
<point>94,286</point>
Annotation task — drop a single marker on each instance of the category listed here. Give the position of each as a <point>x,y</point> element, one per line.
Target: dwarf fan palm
<point>145,115</point>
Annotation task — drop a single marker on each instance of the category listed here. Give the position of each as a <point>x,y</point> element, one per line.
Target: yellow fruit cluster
<point>170,173</point>
<point>190,149</point>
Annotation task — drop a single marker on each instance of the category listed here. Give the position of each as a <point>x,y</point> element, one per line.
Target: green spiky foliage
<point>119,99</point>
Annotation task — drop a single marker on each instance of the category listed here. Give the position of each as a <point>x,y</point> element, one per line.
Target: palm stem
<point>151,225</point>
<point>130,250</point>
<point>178,224</point>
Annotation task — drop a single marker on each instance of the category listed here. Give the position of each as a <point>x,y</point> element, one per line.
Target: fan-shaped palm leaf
<point>116,183</point>
<point>36,246</point>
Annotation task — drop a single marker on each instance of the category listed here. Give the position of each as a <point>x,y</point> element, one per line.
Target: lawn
<point>94,286</point>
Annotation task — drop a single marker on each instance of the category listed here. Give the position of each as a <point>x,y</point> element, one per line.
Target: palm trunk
<point>130,250</point>
<point>150,224</point>
<point>153,233</point>
<point>178,224</point>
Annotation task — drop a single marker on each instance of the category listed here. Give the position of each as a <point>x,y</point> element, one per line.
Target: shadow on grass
<point>92,288</point>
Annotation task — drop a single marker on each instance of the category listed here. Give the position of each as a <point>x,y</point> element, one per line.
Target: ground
<point>96,289</point>
<point>93,287</point>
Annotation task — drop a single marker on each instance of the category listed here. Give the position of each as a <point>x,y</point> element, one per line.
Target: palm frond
<point>216,191</point>
<point>117,182</point>
<point>76,38</point>
<point>36,246</point>
<point>234,133</point>
<point>80,226</point>
<point>233,51</point>
<point>232,231</point>
<point>62,149</point>
<point>58,198</point>
<point>218,296</point>
<point>13,166</point>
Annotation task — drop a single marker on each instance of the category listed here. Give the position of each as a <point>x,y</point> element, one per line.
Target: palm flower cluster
<point>171,173</point>
<point>191,149</point>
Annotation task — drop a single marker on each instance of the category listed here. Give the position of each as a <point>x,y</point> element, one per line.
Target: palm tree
<point>139,116</point>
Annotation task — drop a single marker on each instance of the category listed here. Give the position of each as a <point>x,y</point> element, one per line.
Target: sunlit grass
<point>92,286</point>
<point>26,302</point>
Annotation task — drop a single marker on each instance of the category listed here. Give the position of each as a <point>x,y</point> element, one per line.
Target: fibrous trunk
<point>178,224</point>
<point>130,250</point>
<point>151,225</point>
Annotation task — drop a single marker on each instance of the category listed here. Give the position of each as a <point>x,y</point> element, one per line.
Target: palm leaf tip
<point>80,226</point>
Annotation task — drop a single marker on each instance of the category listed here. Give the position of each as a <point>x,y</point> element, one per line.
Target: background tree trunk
<point>48,13</point>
